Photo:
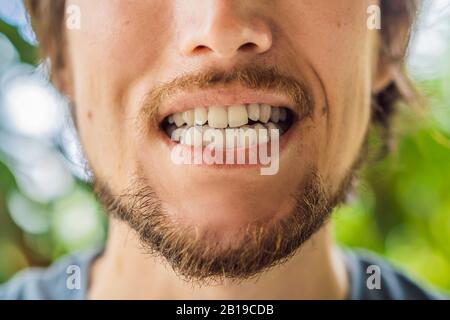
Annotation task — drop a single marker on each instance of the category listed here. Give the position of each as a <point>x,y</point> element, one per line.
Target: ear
<point>383,76</point>
<point>393,38</point>
<point>62,79</point>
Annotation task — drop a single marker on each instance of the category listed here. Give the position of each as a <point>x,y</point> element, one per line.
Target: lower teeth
<point>245,136</point>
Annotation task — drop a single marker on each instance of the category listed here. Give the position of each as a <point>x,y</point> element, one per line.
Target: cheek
<point>129,39</point>
<point>338,55</point>
<point>108,56</point>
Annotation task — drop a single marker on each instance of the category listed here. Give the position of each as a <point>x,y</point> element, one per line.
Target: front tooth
<point>178,119</point>
<point>189,117</point>
<point>283,114</point>
<point>240,134</point>
<point>253,111</point>
<point>246,137</point>
<point>218,117</point>
<point>194,137</point>
<point>264,113</point>
<point>237,116</point>
<point>208,133</point>
<point>213,137</point>
<point>231,138</point>
<point>201,116</point>
<point>208,136</point>
<point>220,138</point>
<point>275,116</point>
<point>170,119</point>
<point>262,133</point>
<point>252,136</point>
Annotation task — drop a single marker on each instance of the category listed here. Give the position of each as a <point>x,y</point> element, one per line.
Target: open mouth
<point>232,124</point>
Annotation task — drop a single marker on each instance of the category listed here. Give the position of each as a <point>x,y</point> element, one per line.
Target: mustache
<point>251,77</point>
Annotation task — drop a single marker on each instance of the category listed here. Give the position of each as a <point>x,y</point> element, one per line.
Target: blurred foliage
<point>401,211</point>
<point>27,52</point>
<point>34,231</point>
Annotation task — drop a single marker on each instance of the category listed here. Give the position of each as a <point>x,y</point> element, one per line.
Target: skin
<point>125,48</point>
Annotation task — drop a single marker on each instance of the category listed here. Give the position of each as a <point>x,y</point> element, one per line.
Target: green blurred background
<point>47,209</point>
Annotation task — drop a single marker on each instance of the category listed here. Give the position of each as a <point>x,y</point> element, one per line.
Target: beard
<point>255,248</point>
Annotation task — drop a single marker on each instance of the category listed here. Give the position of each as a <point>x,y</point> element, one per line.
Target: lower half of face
<point>166,157</point>
<point>176,179</point>
<point>222,169</point>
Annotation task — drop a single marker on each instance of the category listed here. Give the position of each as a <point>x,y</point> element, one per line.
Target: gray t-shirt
<point>58,282</point>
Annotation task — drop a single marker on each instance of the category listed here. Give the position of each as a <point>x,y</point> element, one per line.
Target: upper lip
<point>183,101</point>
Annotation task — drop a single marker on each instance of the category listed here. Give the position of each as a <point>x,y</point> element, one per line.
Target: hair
<point>398,17</point>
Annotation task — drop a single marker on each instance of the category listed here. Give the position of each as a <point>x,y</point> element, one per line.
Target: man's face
<point>136,64</point>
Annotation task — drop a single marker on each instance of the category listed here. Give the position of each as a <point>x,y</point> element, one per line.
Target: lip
<point>228,96</point>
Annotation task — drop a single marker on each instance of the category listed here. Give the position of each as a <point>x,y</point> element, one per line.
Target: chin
<point>223,212</point>
<point>222,229</point>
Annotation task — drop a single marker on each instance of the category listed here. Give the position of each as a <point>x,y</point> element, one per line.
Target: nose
<point>224,29</point>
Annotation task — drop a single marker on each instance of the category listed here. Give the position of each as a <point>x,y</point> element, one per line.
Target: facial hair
<point>256,247</point>
<point>195,258</point>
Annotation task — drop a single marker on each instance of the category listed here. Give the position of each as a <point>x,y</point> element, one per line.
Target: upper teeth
<point>222,117</point>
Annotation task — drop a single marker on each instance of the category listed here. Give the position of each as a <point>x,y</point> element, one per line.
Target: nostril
<point>248,47</point>
<point>201,50</point>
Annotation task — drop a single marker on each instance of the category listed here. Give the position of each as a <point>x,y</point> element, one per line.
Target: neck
<point>124,271</point>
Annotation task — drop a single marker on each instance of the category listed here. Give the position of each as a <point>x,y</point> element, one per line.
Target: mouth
<point>198,126</point>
